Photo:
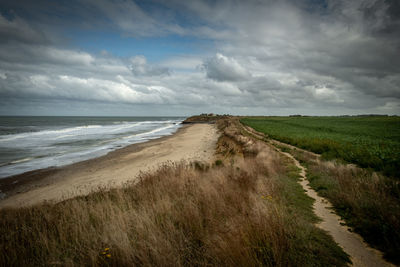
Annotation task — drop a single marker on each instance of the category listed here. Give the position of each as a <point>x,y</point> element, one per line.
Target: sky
<point>180,58</point>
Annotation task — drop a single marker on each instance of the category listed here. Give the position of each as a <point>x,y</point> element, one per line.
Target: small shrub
<point>219,162</point>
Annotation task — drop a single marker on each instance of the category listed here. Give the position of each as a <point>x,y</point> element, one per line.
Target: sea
<point>30,143</point>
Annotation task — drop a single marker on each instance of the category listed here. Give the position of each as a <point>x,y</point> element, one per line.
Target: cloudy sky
<point>257,57</point>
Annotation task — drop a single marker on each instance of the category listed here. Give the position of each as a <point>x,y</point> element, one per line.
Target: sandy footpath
<point>191,142</point>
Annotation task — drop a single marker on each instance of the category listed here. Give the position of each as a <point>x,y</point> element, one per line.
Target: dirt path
<point>360,253</point>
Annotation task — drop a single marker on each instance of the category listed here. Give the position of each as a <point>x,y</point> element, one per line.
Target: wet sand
<point>190,142</point>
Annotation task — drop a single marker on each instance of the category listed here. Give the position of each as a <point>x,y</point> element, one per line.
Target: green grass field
<point>368,141</point>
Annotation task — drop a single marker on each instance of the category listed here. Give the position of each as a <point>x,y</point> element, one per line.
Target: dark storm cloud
<point>17,30</point>
<point>278,57</point>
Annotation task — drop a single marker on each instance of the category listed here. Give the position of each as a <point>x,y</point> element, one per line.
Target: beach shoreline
<point>190,142</point>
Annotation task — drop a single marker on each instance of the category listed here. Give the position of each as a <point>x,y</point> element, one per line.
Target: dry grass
<point>240,213</point>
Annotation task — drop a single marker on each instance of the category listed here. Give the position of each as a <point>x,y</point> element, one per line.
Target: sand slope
<point>191,142</point>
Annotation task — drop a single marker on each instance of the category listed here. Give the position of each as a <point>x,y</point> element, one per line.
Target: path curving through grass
<point>360,253</point>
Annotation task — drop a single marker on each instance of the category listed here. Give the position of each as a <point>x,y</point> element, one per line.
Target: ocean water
<point>29,143</point>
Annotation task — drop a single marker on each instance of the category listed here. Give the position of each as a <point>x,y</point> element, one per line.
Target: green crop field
<point>368,141</point>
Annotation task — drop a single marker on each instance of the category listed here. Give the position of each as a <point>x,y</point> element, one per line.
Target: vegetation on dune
<point>368,141</point>
<point>205,118</point>
<point>247,209</point>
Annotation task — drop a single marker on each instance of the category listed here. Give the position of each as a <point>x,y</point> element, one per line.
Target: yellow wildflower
<point>267,197</point>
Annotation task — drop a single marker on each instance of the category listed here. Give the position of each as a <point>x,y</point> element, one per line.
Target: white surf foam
<point>56,147</point>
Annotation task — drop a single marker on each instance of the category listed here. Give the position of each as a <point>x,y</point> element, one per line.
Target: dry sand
<point>191,142</point>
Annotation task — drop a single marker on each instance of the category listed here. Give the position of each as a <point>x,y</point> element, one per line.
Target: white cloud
<point>184,62</point>
<point>324,94</point>
<point>66,56</point>
<point>140,67</point>
<point>222,68</point>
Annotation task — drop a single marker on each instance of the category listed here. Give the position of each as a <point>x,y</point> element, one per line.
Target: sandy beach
<point>190,142</point>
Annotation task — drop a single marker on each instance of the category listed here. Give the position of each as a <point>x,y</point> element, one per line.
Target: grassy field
<point>246,210</point>
<point>368,141</point>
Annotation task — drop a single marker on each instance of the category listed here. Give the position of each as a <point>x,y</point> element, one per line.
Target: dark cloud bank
<point>264,57</point>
